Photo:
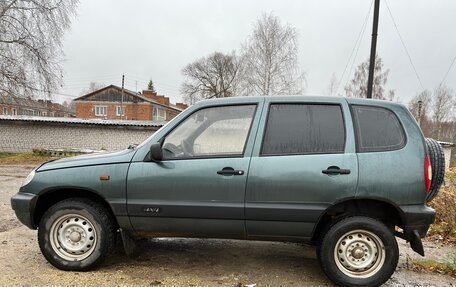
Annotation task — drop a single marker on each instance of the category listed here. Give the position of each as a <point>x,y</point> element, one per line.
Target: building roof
<point>130,93</point>
<point>82,121</point>
<point>21,102</point>
<point>33,104</point>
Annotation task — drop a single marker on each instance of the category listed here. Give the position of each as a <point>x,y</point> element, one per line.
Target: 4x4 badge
<point>151,209</point>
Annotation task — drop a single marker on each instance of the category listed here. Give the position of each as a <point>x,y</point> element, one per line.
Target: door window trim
<point>302,103</point>
<point>241,155</point>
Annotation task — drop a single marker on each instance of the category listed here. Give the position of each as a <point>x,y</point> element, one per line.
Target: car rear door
<point>304,160</point>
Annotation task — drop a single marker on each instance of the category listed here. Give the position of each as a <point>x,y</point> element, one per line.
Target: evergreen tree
<point>150,86</point>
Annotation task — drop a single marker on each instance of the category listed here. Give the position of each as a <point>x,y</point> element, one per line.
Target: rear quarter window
<point>377,129</point>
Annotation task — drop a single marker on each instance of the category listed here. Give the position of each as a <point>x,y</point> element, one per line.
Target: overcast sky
<point>156,39</point>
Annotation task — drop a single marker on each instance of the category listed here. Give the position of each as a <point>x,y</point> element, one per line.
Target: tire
<point>76,234</point>
<point>437,158</point>
<point>358,251</point>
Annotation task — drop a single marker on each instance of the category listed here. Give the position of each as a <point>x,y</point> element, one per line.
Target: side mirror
<point>156,153</point>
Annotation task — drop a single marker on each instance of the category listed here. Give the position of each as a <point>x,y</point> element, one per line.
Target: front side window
<point>211,132</point>
<point>377,129</point>
<point>14,112</point>
<point>304,129</point>
<point>101,110</point>
<point>5,110</point>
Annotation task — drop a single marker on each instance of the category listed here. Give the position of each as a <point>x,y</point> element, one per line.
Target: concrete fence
<point>22,134</point>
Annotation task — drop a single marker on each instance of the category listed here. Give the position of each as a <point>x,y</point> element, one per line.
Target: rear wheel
<point>76,234</point>
<point>358,251</point>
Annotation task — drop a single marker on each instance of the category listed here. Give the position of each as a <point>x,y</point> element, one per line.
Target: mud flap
<point>416,243</point>
<point>128,243</point>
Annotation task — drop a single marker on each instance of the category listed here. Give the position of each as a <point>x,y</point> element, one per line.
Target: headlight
<point>29,178</point>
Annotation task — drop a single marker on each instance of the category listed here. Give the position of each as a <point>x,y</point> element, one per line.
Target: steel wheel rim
<point>359,253</point>
<point>73,237</point>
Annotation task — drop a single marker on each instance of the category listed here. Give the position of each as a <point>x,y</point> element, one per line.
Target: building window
<point>120,111</point>
<point>14,112</point>
<point>36,113</point>
<point>44,114</point>
<point>51,114</point>
<point>27,112</point>
<point>101,110</point>
<point>5,110</point>
<point>159,114</point>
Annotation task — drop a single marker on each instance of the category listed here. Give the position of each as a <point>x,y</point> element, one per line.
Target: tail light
<point>427,173</point>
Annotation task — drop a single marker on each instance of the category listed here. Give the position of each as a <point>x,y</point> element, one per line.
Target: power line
<point>448,71</point>
<point>356,54</point>
<point>358,39</point>
<point>403,45</point>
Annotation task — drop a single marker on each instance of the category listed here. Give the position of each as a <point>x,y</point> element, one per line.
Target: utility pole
<point>370,81</point>
<point>420,105</point>
<point>121,100</point>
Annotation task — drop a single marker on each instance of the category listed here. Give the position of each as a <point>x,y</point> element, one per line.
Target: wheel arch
<point>383,210</point>
<point>50,197</point>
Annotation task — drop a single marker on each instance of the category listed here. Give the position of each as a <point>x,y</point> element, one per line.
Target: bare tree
<point>443,105</point>
<point>93,86</point>
<point>215,76</point>
<point>31,33</point>
<point>69,105</point>
<point>332,86</point>
<point>357,87</point>
<point>270,56</point>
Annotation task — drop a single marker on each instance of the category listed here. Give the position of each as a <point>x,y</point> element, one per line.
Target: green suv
<point>347,175</point>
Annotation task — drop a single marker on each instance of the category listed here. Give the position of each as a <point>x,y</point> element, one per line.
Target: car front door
<point>304,163</point>
<point>198,189</point>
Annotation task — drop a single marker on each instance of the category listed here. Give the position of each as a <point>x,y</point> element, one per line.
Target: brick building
<point>107,103</point>
<point>17,106</point>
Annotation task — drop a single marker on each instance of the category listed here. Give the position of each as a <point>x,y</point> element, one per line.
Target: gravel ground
<point>181,262</point>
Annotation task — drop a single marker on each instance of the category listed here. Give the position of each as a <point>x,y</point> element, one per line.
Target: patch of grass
<point>451,175</point>
<point>439,267</point>
<point>23,158</point>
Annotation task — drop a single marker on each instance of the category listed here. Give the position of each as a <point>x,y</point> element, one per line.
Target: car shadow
<point>212,259</point>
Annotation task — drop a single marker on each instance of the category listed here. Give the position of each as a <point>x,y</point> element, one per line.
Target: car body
<point>261,187</point>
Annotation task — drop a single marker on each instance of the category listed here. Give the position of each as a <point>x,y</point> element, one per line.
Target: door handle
<point>230,171</point>
<point>332,170</point>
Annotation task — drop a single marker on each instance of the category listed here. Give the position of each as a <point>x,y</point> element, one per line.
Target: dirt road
<point>179,262</point>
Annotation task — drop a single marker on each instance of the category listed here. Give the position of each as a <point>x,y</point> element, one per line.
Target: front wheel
<point>76,234</point>
<point>359,251</point>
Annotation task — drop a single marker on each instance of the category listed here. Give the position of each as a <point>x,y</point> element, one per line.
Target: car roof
<point>297,98</point>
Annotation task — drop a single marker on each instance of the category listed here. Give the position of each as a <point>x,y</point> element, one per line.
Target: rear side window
<point>377,129</point>
<point>304,129</point>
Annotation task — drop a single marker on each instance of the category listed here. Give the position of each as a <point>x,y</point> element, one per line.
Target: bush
<point>445,206</point>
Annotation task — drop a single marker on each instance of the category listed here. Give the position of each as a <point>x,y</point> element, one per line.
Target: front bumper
<point>24,206</point>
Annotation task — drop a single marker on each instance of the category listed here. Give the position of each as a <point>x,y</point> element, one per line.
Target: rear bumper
<point>24,205</point>
<point>417,217</point>
<point>416,221</point>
